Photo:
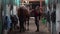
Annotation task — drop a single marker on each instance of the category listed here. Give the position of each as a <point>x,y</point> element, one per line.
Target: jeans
<point>37,23</point>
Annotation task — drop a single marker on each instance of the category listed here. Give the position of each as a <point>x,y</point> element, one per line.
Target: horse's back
<point>24,10</point>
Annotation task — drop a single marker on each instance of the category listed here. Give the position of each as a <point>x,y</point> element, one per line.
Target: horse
<point>23,12</point>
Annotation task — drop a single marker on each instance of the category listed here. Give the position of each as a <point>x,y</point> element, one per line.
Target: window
<point>58,1</point>
<point>43,3</point>
<point>34,3</point>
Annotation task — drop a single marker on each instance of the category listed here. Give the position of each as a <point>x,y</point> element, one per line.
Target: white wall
<point>58,18</point>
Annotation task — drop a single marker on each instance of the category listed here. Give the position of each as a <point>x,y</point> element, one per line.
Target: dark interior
<point>35,3</point>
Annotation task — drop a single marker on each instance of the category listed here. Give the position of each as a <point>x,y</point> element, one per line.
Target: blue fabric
<point>8,22</point>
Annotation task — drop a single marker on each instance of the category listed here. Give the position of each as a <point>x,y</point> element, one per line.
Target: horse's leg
<point>28,24</point>
<point>25,24</point>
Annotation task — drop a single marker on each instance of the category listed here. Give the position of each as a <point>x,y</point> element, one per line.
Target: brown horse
<point>23,12</point>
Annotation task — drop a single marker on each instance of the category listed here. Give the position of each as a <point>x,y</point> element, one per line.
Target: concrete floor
<point>32,28</point>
